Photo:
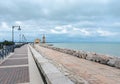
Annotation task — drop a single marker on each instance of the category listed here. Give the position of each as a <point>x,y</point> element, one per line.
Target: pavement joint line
<point>20,54</point>
<point>17,58</point>
<point>11,54</point>
<point>14,66</point>
<point>23,83</point>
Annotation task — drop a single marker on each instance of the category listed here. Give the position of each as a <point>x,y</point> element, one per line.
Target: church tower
<point>43,39</point>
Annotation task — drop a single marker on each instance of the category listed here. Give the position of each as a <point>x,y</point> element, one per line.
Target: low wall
<point>49,72</point>
<point>103,59</point>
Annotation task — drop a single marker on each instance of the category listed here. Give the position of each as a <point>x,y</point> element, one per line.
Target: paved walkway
<point>16,69</point>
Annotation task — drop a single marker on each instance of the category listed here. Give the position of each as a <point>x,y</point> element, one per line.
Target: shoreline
<point>105,48</point>
<point>109,60</point>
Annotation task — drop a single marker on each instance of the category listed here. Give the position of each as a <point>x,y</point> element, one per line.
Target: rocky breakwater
<point>99,58</point>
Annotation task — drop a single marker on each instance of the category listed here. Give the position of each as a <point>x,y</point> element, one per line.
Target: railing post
<point>0,54</point>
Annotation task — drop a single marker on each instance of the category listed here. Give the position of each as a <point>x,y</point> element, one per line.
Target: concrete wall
<point>49,72</point>
<point>103,59</point>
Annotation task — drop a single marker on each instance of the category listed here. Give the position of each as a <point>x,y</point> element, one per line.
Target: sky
<point>61,20</point>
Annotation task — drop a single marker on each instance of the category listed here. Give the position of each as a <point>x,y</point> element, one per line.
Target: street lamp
<point>13,33</point>
<point>19,29</point>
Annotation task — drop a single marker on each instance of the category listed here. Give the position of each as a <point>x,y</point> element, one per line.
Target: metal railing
<point>5,51</point>
<point>8,49</point>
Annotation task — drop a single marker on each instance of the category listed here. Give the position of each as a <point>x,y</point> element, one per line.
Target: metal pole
<point>19,29</point>
<point>13,34</point>
<point>13,38</point>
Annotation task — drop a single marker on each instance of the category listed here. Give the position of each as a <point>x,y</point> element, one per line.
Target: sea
<point>107,48</point>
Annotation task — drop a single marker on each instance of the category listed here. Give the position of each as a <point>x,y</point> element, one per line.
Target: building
<point>43,39</point>
<point>37,41</point>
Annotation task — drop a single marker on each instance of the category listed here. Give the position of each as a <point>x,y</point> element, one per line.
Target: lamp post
<point>13,34</point>
<point>19,29</point>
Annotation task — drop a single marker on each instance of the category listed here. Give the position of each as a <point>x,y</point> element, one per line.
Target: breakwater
<point>99,58</point>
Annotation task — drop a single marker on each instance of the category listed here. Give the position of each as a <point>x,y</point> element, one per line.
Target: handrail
<point>5,51</point>
<point>8,49</point>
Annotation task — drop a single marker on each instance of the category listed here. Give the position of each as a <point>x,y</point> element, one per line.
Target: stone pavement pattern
<point>15,69</point>
<point>93,73</point>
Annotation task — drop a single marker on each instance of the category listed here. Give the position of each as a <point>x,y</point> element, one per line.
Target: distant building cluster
<point>38,41</point>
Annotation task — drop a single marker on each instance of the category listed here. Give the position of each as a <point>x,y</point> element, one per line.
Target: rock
<point>69,51</point>
<point>104,59</point>
<point>65,51</point>
<point>90,56</point>
<point>76,53</point>
<point>111,62</point>
<point>54,48</point>
<point>97,58</point>
<point>117,63</point>
<point>79,54</point>
<point>83,54</point>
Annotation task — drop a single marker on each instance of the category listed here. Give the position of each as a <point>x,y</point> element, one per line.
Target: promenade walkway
<point>18,68</point>
<point>80,69</point>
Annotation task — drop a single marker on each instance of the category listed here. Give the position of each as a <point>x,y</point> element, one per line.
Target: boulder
<point>65,51</point>
<point>76,53</point>
<point>83,54</point>
<point>80,54</point>
<point>103,59</point>
<point>58,49</point>
<point>117,63</point>
<point>90,56</point>
<point>112,61</point>
<point>69,51</point>
<point>97,58</point>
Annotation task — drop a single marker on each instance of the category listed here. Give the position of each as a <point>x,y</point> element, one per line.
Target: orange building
<point>37,41</point>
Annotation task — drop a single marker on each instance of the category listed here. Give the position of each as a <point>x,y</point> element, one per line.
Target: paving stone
<point>15,62</point>
<point>9,74</point>
<point>19,56</point>
<point>14,75</point>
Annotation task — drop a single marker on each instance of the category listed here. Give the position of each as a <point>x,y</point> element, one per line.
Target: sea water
<point>108,48</point>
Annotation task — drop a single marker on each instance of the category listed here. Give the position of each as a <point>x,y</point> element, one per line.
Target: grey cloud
<point>47,14</point>
<point>53,10</point>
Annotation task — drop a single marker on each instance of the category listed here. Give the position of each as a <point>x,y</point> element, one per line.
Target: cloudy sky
<point>61,20</point>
